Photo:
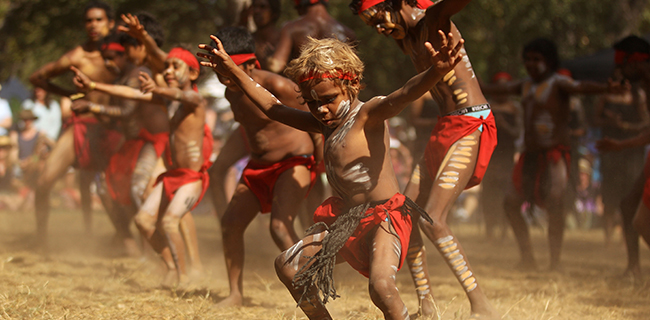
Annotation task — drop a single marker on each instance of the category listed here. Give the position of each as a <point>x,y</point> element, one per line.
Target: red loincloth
<point>173,179</point>
<point>528,181</point>
<point>356,250</point>
<point>261,177</point>
<point>121,166</point>
<point>94,144</point>
<point>451,128</point>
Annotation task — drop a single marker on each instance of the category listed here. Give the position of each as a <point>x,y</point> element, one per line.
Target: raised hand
<point>80,106</point>
<point>448,56</point>
<point>133,27</point>
<point>147,84</point>
<point>217,57</point>
<point>81,81</point>
<point>618,87</point>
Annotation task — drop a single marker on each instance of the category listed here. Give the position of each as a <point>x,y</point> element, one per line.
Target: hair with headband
<point>327,59</point>
<point>631,49</point>
<point>359,6</point>
<point>185,56</point>
<point>307,3</point>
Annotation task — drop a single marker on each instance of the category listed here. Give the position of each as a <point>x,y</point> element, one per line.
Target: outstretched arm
<point>41,78</point>
<point>84,83</point>
<point>189,98</point>
<point>569,86</point>
<point>156,55</point>
<point>221,62</point>
<point>443,61</point>
<point>607,144</point>
<point>278,61</point>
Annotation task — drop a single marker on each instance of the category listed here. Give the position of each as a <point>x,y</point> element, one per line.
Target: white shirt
<point>5,112</point>
<point>49,119</point>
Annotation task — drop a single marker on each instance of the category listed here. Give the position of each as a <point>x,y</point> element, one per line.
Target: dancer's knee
<point>279,227</point>
<point>170,223</point>
<point>382,289</point>
<point>145,221</point>
<point>284,273</point>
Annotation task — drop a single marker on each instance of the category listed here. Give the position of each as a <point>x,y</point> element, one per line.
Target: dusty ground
<point>82,279</point>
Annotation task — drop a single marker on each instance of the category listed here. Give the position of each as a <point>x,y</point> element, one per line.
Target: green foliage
<point>34,32</point>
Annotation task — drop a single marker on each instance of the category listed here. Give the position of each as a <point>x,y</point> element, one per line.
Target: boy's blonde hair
<point>327,59</point>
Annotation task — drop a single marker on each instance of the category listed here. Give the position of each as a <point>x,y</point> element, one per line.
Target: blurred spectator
<point>8,188</point>
<point>5,116</point>
<point>509,119</point>
<point>47,111</point>
<point>33,147</point>
<point>586,205</point>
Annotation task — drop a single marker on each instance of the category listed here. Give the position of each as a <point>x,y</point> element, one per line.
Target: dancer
<point>369,221</point>
<point>460,145</point>
<point>187,155</point>
<point>85,142</point>
<point>278,175</point>
<point>541,174</point>
<point>633,57</point>
<point>315,22</point>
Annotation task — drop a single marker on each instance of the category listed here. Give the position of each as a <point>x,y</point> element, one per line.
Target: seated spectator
<point>5,116</point>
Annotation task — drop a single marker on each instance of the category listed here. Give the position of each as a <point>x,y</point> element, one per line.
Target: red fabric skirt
<point>530,172</point>
<point>121,166</point>
<point>356,250</point>
<point>452,128</point>
<point>175,178</point>
<point>94,144</point>
<point>261,177</point>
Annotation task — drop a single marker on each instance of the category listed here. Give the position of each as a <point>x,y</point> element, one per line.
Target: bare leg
<point>287,265</point>
<point>85,179</point>
<point>384,262</point>
<point>147,220</point>
<point>288,199</point>
<point>512,206</point>
<point>629,206</point>
<point>242,209</point>
<point>454,173</point>
<point>183,201</point>
<point>416,257</point>
<point>56,165</point>
<point>642,222</point>
<point>555,207</point>
<point>188,230</point>
<point>233,150</point>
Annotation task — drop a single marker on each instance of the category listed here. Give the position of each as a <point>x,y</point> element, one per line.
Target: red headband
<point>367,4</point>
<point>240,59</point>
<point>185,56</point>
<point>501,76</point>
<point>620,56</point>
<point>113,46</point>
<point>338,75</point>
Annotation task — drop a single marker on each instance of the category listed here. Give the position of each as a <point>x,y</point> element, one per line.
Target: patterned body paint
<point>193,151</point>
<point>457,157</point>
<point>358,173</point>
<point>449,250</point>
<point>294,253</point>
<point>414,258</point>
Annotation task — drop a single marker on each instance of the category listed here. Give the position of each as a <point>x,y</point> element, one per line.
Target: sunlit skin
<point>315,22</point>
<point>546,105</point>
<point>158,219</point>
<point>410,27</point>
<point>356,137</point>
<point>270,142</point>
<point>88,58</point>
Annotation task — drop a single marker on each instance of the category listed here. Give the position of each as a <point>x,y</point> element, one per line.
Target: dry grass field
<point>83,279</point>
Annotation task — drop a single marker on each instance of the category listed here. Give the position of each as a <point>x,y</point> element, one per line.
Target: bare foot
<point>485,316</point>
<point>230,301</point>
<point>170,280</point>
<point>427,308</point>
